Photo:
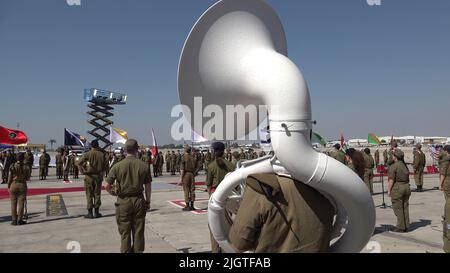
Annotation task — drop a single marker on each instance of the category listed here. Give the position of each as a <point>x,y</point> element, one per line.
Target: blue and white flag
<point>73,139</point>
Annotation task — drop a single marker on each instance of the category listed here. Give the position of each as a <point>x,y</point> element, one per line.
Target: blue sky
<point>383,69</point>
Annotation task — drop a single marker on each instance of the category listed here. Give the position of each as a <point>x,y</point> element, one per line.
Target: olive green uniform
<point>59,165</point>
<point>339,155</point>
<point>368,171</point>
<point>43,166</point>
<point>188,165</point>
<point>130,174</point>
<point>215,174</point>
<point>400,193</point>
<point>173,163</point>
<point>168,160</point>
<point>17,185</point>
<point>377,157</point>
<point>279,215</point>
<point>93,165</point>
<point>29,161</point>
<point>419,165</point>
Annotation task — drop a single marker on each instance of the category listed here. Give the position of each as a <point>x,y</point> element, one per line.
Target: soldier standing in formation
<point>173,163</point>
<point>377,158</point>
<point>208,159</point>
<point>419,165</point>
<point>93,165</point>
<point>399,190</point>
<point>66,165</point>
<point>167,160</point>
<point>43,165</point>
<point>75,165</point>
<point>133,179</point>
<point>59,164</point>
<point>188,169</point>
<point>17,185</point>
<point>369,165</point>
<point>215,174</point>
<point>444,176</point>
<point>29,161</point>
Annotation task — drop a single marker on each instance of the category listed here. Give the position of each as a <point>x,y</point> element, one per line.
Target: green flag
<point>373,139</point>
<point>316,138</point>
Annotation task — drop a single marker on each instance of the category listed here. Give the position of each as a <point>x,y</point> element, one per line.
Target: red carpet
<point>4,194</point>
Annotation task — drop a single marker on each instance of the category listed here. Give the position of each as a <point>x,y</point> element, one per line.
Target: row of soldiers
<point>372,162</point>
<point>9,158</point>
<point>398,179</point>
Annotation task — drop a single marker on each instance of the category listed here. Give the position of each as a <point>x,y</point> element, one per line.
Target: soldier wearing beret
<point>188,169</point>
<point>419,163</point>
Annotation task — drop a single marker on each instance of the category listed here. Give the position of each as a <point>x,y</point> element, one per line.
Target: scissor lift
<point>100,102</point>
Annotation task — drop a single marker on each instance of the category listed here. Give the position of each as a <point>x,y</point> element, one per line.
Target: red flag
<point>155,145</point>
<point>342,141</point>
<point>12,137</point>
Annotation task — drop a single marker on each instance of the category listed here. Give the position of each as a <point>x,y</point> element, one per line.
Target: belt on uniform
<point>130,195</point>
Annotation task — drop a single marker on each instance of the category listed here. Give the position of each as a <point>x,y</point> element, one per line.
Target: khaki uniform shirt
<point>131,174</point>
<point>18,174</point>
<point>217,171</point>
<point>279,215</point>
<point>93,162</point>
<point>399,173</point>
<point>188,163</point>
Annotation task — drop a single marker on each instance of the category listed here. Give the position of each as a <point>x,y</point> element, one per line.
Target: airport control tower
<point>100,103</point>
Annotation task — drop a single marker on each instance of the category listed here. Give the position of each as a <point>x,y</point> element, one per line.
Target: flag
<point>73,139</point>
<point>342,141</point>
<point>373,139</point>
<point>12,137</point>
<point>196,138</point>
<point>155,145</point>
<point>316,138</point>
<point>118,135</point>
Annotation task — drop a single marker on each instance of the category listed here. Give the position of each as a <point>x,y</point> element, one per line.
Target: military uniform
<point>377,158</point>
<point>66,166</point>
<point>168,160</point>
<point>279,215</point>
<point>188,169</point>
<point>339,155</point>
<point>59,166</point>
<point>215,174</point>
<point>368,171</point>
<point>419,165</point>
<point>446,235</point>
<point>131,174</point>
<point>93,166</point>
<point>43,166</point>
<point>208,159</point>
<point>400,193</point>
<point>29,161</point>
<point>173,163</point>
<point>17,185</point>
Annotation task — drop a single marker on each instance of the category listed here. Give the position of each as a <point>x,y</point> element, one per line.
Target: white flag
<point>118,136</point>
